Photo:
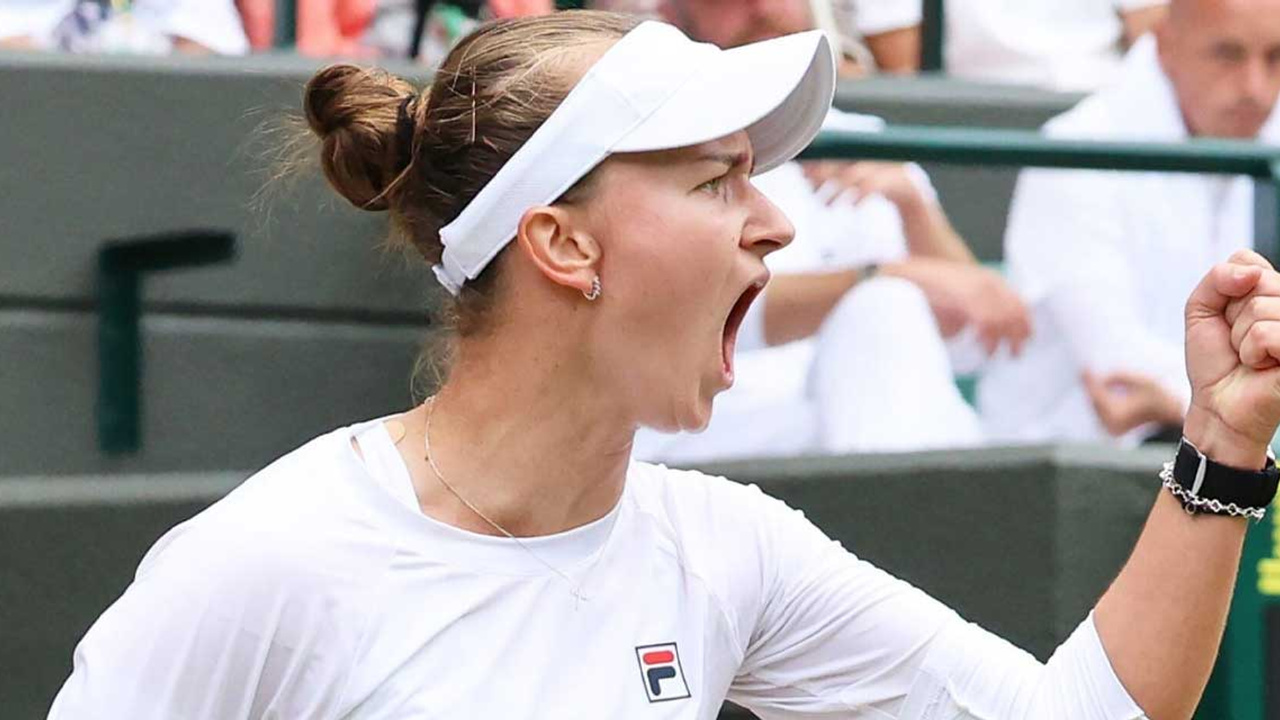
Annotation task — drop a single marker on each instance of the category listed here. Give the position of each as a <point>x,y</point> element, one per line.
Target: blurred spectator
<point>851,347</point>
<point>259,18</point>
<point>1059,44</point>
<point>868,34</point>
<point>141,26</point>
<point>337,28</point>
<point>651,9</point>
<point>422,29</point>
<point>881,35</point>
<point>1107,258</point>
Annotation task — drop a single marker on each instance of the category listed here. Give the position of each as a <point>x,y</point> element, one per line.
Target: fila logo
<point>660,669</point>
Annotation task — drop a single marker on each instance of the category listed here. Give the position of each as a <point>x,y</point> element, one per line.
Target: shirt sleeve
<point>836,637</point>
<point>211,631</point>
<point>872,17</point>
<point>1064,246</point>
<point>215,24</point>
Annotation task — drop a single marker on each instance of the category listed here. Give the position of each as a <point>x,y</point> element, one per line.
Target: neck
<point>531,443</point>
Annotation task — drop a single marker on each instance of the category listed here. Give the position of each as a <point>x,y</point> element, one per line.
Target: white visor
<point>655,89</point>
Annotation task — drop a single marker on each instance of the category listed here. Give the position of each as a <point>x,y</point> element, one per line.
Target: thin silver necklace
<point>575,589</point>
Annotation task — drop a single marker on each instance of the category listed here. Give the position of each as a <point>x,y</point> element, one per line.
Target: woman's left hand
<point>1233,361</point>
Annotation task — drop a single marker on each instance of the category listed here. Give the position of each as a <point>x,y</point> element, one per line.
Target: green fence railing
<point>1246,682</point>
<point>1027,148</point>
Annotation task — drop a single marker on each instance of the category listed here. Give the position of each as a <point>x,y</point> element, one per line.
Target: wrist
<point>1221,443</point>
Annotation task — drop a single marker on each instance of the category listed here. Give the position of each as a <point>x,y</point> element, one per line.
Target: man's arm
<point>960,295</point>
<point>929,231</point>
<point>18,42</point>
<point>795,306</point>
<point>925,225</point>
<point>896,51</point>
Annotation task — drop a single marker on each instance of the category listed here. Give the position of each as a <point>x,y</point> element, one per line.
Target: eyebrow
<point>728,159</point>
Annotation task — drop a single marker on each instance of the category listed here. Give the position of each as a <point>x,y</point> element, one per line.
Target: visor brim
<point>778,90</point>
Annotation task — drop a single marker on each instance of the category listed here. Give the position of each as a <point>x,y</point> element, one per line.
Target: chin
<point>691,416</point>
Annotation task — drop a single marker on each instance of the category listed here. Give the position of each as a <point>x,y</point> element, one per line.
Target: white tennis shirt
<point>319,590</point>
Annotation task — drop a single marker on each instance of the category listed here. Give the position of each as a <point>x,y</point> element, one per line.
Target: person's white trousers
<point>880,380</point>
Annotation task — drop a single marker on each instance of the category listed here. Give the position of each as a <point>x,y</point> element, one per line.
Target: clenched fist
<point>1233,361</point>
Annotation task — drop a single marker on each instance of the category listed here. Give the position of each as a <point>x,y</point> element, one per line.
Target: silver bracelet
<point>1192,502</point>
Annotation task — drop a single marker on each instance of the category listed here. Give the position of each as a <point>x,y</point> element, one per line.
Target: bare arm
<point>795,306</point>
<point>929,232</point>
<point>925,225</point>
<point>1162,619</point>
<point>896,51</point>
<point>1140,21</point>
<point>18,42</point>
<point>259,22</point>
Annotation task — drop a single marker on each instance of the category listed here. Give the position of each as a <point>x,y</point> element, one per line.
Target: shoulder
<point>259,601</point>
<point>691,497</point>
<point>717,523</point>
<point>298,526</point>
<point>1093,117</point>
<point>1138,104</point>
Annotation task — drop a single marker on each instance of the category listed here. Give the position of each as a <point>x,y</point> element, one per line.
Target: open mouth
<point>729,339</point>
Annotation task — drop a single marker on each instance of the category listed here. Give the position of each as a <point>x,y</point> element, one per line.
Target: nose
<point>767,228</point>
<point>1257,81</point>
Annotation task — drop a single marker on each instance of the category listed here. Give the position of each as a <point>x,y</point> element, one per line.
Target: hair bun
<point>353,111</point>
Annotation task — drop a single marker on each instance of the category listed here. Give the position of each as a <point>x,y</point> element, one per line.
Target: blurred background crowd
<point>1053,43</point>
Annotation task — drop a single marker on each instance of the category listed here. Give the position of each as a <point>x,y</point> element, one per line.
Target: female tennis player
<point>581,185</point>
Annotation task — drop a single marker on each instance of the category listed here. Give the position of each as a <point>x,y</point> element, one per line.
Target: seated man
<point>858,309</point>
<point>1100,368</point>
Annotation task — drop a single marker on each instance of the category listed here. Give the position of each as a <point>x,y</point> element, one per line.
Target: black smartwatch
<point>1212,488</point>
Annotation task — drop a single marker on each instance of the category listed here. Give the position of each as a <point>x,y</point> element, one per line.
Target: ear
<point>560,247</point>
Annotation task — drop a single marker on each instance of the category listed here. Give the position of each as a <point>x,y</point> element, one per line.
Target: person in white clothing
<point>868,35</point>
<point>1105,258</point>
<point>581,185</point>
<point>144,26</point>
<point>833,360</point>
<point>1073,45</point>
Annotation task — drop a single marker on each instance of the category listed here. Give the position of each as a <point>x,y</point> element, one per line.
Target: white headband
<point>653,90</point>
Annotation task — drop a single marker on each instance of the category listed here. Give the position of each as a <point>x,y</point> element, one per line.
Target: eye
<point>1228,52</point>
<point>715,186</point>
